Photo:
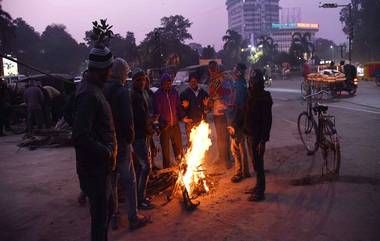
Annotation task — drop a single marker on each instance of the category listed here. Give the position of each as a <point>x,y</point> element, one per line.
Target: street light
<point>350,21</point>
<point>332,52</point>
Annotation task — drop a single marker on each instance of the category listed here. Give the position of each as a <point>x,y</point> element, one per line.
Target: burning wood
<point>191,177</point>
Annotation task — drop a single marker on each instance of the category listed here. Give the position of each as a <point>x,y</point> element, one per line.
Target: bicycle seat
<point>320,108</point>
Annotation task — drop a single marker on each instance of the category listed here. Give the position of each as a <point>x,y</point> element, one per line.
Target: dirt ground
<point>39,189</point>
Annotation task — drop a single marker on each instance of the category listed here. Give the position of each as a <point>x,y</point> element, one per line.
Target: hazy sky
<point>209,17</point>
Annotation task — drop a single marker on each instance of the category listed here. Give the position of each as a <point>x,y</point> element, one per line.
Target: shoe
<point>139,222</point>
<point>146,205</point>
<point>251,190</point>
<point>257,197</point>
<point>114,222</point>
<point>236,178</point>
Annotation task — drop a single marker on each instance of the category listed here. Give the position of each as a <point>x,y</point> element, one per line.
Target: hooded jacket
<point>93,131</point>
<point>258,115</point>
<point>168,107</point>
<point>119,98</point>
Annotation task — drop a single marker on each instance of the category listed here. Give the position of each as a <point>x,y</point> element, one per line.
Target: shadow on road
<point>318,179</point>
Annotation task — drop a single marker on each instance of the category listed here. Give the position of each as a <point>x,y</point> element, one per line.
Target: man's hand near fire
<point>187,120</point>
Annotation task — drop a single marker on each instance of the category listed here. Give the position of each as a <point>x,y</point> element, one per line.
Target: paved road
<point>38,189</point>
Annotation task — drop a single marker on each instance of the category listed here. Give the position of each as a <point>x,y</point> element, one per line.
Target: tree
<point>269,49</point>
<point>366,36</point>
<point>268,45</point>
<point>301,48</point>
<point>166,40</point>
<point>26,45</point>
<point>59,50</point>
<point>232,49</point>
<point>323,48</point>
<point>131,51</point>
<point>6,30</point>
<point>208,52</point>
<point>176,27</point>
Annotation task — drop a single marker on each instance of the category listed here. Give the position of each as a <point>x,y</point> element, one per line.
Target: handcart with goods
<point>330,81</point>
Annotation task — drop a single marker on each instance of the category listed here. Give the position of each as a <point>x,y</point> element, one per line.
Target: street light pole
<point>350,23</point>
<point>351,32</point>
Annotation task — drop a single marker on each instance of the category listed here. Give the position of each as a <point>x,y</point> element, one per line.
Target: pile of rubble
<point>58,136</point>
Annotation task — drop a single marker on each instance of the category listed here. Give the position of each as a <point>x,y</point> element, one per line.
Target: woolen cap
<point>100,58</point>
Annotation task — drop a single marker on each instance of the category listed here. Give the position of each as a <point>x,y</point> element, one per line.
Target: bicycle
<point>321,135</point>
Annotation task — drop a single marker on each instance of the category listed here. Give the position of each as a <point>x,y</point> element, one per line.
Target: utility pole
<point>350,23</point>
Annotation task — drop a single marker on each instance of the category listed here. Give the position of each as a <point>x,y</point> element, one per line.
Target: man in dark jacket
<point>95,141</point>
<point>257,124</point>
<point>119,98</point>
<point>34,99</point>
<point>194,102</point>
<point>143,130</point>
<point>167,107</point>
<point>235,128</point>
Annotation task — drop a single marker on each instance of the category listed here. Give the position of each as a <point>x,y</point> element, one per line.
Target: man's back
<point>93,131</point>
<point>33,97</point>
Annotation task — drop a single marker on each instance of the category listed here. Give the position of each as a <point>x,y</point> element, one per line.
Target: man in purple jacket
<point>167,107</point>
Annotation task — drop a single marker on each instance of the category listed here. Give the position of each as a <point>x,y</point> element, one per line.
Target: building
<point>290,15</point>
<point>282,33</point>
<point>252,18</point>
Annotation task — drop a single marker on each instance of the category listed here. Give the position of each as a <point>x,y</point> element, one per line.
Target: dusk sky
<point>209,17</point>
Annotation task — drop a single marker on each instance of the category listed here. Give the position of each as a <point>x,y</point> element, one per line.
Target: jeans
<point>222,139</point>
<point>126,173</point>
<point>239,153</point>
<point>35,117</point>
<point>258,150</point>
<point>99,192</point>
<point>170,134</point>
<point>140,147</point>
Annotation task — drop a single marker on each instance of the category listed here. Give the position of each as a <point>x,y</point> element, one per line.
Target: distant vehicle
<point>13,80</point>
<point>182,77</point>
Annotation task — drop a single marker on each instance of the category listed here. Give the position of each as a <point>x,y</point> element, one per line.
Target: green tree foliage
<point>301,47</point>
<point>26,45</point>
<point>269,50</point>
<point>59,52</point>
<point>323,49</point>
<point>232,49</point>
<point>208,52</point>
<point>6,30</point>
<point>366,19</point>
<point>166,40</point>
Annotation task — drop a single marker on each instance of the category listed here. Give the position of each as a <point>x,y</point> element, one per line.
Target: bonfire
<point>191,175</point>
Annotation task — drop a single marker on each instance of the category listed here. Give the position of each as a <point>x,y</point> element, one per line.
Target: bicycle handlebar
<point>319,92</point>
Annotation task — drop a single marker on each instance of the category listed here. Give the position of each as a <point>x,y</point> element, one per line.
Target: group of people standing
<point>112,121</point>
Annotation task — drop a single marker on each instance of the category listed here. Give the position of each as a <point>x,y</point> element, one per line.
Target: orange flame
<point>200,143</point>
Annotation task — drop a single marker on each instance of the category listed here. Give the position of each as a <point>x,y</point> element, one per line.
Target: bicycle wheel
<point>307,130</point>
<point>330,147</point>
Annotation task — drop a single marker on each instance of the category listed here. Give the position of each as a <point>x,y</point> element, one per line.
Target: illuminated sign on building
<point>10,68</point>
<point>295,25</point>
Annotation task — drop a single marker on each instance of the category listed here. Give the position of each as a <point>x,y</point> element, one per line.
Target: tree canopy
<point>366,19</point>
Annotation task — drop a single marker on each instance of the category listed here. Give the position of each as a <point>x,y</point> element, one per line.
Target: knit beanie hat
<point>100,58</point>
